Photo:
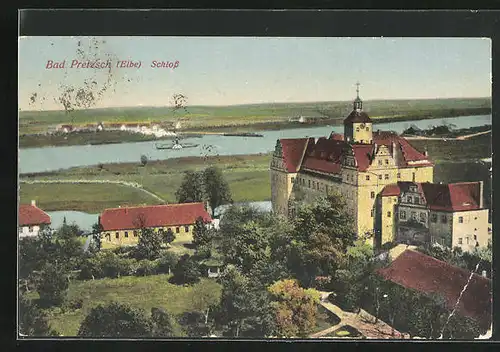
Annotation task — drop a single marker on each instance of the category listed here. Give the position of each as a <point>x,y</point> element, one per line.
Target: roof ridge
<point>154,206</point>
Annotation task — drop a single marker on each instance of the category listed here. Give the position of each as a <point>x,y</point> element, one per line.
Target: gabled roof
<point>453,197</point>
<point>420,272</point>
<point>357,117</point>
<point>293,152</point>
<point>32,215</point>
<point>152,216</point>
<point>445,197</point>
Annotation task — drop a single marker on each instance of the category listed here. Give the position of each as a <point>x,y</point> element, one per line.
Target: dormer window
<point>368,128</point>
<point>357,129</point>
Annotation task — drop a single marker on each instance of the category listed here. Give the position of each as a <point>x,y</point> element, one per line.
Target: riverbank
<point>90,138</point>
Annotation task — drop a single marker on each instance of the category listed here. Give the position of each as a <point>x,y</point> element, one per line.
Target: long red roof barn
<point>30,215</point>
<point>426,274</point>
<point>153,216</point>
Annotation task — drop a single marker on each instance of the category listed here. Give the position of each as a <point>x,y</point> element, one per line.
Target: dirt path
<point>364,322</point>
<point>459,138</point>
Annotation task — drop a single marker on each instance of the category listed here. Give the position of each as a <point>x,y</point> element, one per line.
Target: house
<point>120,226</point>
<point>452,215</point>
<point>357,165</point>
<point>212,266</point>
<point>31,220</point>
<point>423,273</point>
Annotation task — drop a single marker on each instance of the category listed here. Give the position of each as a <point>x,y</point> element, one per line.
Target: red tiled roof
<point>32,215</point>
<point>452,197</point>
<point>362,154</point>
<point>152,216</point>
<point>322,165</point>
<point>426,274</point>
<point>391,190</point>
<point>358,117</point>
<point>293,150</point>
<point>337,136</point>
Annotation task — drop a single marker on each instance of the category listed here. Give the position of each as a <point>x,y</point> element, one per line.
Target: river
<point>54,158</point>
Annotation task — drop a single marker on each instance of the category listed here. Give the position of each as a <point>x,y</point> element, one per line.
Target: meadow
<point>143,292</point>
<point>260,116</point>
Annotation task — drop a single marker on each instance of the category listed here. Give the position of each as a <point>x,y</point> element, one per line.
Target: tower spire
<point>358,104</point>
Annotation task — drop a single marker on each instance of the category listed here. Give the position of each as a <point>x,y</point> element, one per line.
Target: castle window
<point>372,212</point>
<point>368,177</point>
<point>186,228</point>
<point>117,235</point>
<point>372,194</point>
<point>357,129</point>
<point>388,214</point>
<point>417,200</point>
<point>309,183</point>
<point>380,177</point>
<point>135,233</point>
<point>177,230</point>
<point>399,175</point>
<point>413,177</point>
<point>293,179</point>
<point>413,215</point>
<point>108,237</point>
<point>368,128</point>
<point>387,161</point>
<point>461,219</point>
<point>460,240</point>
<point>386,176</point>
<point>434,217</point>
<point>402,215</point>
<point>423,217</point>
<point>380,162</point>
<point>475,237</point>
<point>409,199</point>
<point>126,234</point>
<point>443,219</point>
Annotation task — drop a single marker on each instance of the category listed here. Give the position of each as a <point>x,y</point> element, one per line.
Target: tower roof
<point>357,117</point>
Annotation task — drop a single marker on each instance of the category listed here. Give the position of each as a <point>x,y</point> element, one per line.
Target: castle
<point>385,181</point>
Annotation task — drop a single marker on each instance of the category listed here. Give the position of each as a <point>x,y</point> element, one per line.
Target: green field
<point>262,116</point>
<point>140,292</point>
<point>248,177</point>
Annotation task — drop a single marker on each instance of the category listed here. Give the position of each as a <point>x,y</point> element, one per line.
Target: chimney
<point>425,153</point>
<point>33,203</point>
<point>484,274</point>
<point>393,149</point>
<point>481,200</point>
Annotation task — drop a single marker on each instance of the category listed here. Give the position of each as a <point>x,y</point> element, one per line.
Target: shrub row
<point>111,265</point>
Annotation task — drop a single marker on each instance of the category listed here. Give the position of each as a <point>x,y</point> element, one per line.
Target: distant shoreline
<point>247,126</point>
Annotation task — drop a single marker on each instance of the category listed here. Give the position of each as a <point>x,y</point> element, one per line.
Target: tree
<point>149,244</point>
<point>163,323</point>
<point>201,234</point>
<point>191,189</point>
<point>96,243</point>
<point>322,232</point>
<point>167,262</point>
<point>206,296</point>
<point>52,284</point>
<point>115,320</point>
<point>186,271</point>
<point>245,308</point>
<point>295,309</point>
<point>32,320</point>
<point>168,236</point>
<point>144,160</point>
<point>216,188</point>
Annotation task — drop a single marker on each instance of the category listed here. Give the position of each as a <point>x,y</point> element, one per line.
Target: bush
<point>145,267</point>
<point>91,268</point>
<point>113,266</point>
<point>52,285</point>
<point>167,262</point>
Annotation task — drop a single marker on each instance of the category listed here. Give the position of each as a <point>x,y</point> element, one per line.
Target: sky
<point>247,70</point>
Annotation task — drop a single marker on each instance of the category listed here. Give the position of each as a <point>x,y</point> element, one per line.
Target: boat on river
<point>243,134</point>
<point>176,145</point>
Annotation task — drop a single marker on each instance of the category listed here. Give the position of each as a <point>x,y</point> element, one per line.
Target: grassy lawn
<point>140,292</point>
<point>90,198</point>
<point>247,175</point>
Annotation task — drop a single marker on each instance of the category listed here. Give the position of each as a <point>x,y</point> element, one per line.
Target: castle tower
<point>358,125</point>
